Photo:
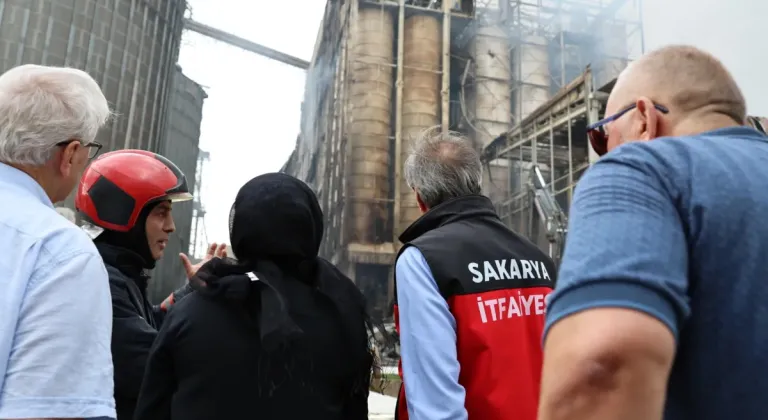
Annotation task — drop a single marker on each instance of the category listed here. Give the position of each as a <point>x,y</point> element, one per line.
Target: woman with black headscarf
<point>278,334</point>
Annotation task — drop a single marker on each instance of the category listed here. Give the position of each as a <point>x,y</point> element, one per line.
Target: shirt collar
<point>22,182</point>
<point>738,131</point>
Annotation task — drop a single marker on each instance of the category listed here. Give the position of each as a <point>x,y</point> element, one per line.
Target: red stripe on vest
<point>499,350</point>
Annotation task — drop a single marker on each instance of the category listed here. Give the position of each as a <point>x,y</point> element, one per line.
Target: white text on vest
<point>512,306</point>
<point>508,270</point>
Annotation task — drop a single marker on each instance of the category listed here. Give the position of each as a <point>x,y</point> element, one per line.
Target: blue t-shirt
<point>677,228</point>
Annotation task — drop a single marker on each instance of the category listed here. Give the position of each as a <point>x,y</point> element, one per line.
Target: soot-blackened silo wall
<point>370,119</point>
<point>180,145</point>
<point>129,46</point>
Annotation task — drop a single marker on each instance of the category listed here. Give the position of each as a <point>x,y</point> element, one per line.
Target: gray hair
<point>41,106</point>
<point>443,166</point>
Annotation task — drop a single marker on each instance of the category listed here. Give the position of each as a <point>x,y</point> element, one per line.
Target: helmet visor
<point>179,197</point>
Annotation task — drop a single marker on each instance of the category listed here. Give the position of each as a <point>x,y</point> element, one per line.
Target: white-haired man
<point>55,306</point>
<point>471,296</point>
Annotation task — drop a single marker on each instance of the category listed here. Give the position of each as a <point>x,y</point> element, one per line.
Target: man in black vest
<point>471,296</point>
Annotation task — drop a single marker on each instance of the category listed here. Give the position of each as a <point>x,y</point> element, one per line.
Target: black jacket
<point>134,324</point>
<point>208,363</point>
<point>279,336</point>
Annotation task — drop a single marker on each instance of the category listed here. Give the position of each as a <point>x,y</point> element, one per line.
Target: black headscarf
<point>276,227</point>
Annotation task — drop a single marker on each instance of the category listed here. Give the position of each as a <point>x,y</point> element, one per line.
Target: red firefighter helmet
<point>118,185</point>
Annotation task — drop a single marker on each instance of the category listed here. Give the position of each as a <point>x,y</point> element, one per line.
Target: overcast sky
<point>251,117</point>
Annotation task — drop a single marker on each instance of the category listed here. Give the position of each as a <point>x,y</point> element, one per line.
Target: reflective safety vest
<point>496,284</point>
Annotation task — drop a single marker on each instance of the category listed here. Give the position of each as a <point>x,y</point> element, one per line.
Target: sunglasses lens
<point>599,141</point>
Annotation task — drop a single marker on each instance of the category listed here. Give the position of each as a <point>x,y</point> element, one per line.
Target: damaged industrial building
<point>522,79</point>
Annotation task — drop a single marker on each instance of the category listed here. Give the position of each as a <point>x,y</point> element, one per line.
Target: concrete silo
<point>370,124</point>
<point>129,47</point>
<point>422,61</point>
<point>180,145</point>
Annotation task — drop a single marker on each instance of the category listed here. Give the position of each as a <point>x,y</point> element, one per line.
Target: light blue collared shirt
<point>55,311</point>
<point>427,343</point>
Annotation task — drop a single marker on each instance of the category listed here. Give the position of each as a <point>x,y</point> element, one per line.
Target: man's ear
<point>647,119</point>
<point>67,157</point>
<point>423,207</point>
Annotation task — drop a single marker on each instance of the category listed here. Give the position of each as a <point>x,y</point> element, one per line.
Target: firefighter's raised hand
<point>214,250</point>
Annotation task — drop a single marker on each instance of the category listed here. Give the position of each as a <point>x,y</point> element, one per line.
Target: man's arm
<point>60,365</point>
<point>159,384</point>
<point>427,343</point>
<point>132,339</point>
<point>622,295</point>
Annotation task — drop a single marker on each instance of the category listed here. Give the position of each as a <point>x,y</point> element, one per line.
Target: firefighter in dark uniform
<point>127,195</point>
<point>471,296</point>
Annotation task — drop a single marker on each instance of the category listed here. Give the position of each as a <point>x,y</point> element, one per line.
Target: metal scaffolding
<point>199,236</point>
<point>586,44</point>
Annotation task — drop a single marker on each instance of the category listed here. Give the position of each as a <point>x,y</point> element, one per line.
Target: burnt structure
<point>518,78</point>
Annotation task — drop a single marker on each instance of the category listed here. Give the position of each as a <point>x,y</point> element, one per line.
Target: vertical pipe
<point>136,80</point>
<point>399,119</point>
<point>593,112</point>
<point>562,59</point>
<point>570,157</point>
<point>338,210</point>
<point>23,43</point>
<point>346,146</point>
<point>2,10</point>
<point>446,88</point>
<point>170,68</point>
<point>642,30</point>
<point>120,87</point>
<point>330,146</point>
<point>108,59</point>
<point>91,37</point>
<point>334,233</point>
<point>150,72</point>
<point>550,121</point>
<point>522,226</point>
<point>534,145</point>
<point>71,37</point>
<point>48,35</point>
<point>157,109</point>
<point>534,161</point>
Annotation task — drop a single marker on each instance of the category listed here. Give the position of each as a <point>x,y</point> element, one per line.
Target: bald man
<point>661,309</point>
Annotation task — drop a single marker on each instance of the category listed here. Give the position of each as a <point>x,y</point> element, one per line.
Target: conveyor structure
<point>245,44</point>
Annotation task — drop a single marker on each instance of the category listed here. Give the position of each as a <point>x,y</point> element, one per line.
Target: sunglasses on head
<point>596,132</point>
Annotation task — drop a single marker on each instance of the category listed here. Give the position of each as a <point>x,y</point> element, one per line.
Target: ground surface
<point>381,407</point>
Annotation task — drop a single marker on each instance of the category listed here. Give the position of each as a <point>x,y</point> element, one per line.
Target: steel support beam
<point>245,44</point>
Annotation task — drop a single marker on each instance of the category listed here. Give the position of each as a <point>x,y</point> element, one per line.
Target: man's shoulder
<point>648,154</point>
<point>409,255</point>
<point>41,230</point>
<point>663,163</point>
<point>62,240</point>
